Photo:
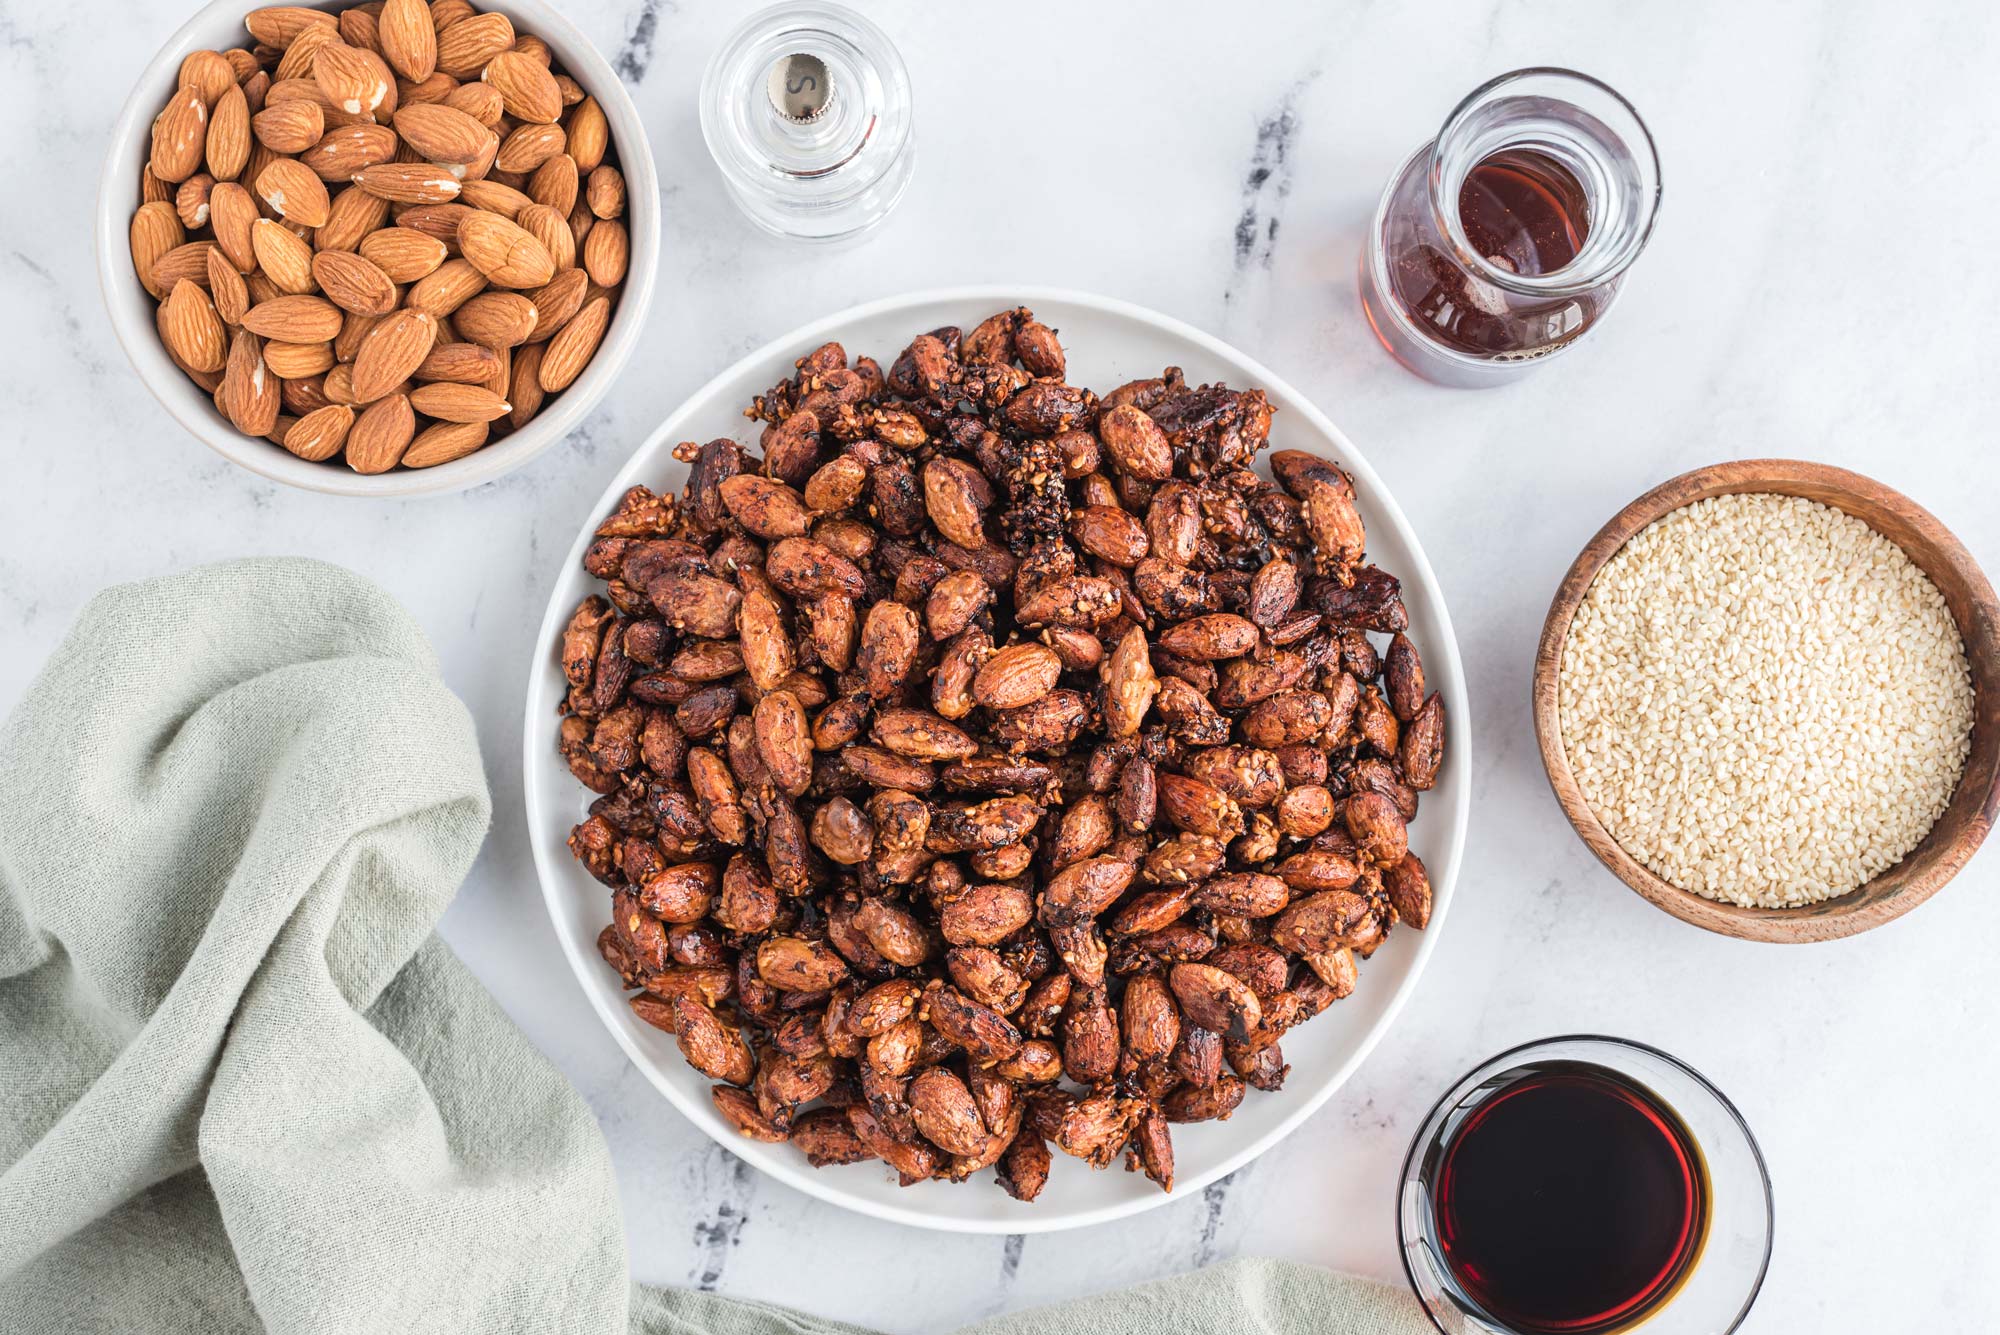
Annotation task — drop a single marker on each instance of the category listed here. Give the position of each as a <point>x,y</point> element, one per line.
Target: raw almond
<point>354,283</point>
<point>187,261</point>
<point>439,221</point>
<point>356,81</point>
<point>548,227</point>
<point>376,442</point>
<point>479,101</point>
<point>192,330</point>
<point>338,385</point>
<point>319,434</point>
<point>225,288</point>
<point>191,200</point>
<point>409,182</point>
<point>285,260</point>
<point>444,442</point>
<point>278,25</point>
<point>156,230</point>
<point>279,428</point>
<point>254,88</point>
<point>179,132</point>
<point>402,253</point>
<point>554,185</point>
<point>524,384</point>
<point>152,190</point>
<point>494,197</point>
<point>453,284</point>
<point>352,330</point>
<point>347,150</point>
<point>458,403</point>
<point>605,253</point>
<point>209,73</point>
<point>465,47</point>
<point>293,192</point>
<point>442,134</point>
<point>228,143</point>
<point>496,319</point>
<point>462,363</point>
<point>241,63</point>
<point>248,394</point>
<point>297,62</point>
<point>574,345</point>
<point>354,215</point>
<point>395,347</point>
<point>535,49</point>
<point>408,40</point>
<point>503,374</point>
<point>529,147</point>
<point>556,303</point>
<point>572,91</point>
<point>526,87</point>
<point>298,361</point>
<point>232,213</point>
<point>261,287</point>
<point>606,192</point>
<point>303,395</point>
<point>359,28</point>
<point>425,92</point>
<point>589,135</point>
<point>444,13</point>
<point>505,253</point>
<point>293,319</point>
<point>289,127</point>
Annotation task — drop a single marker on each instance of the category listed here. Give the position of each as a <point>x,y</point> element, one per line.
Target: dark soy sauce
<point>1572,1202</point>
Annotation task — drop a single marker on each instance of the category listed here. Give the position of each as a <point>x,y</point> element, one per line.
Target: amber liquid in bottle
<point>1573,1202</point>
<point>1524,213</point>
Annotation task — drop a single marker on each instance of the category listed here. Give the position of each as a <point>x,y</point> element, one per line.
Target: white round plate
<point>1108,343</point>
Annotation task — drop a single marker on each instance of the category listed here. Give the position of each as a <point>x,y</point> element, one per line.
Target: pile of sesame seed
<point>1764,701</point>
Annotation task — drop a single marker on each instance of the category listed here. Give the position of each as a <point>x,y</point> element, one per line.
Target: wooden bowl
<point>1958,832</point>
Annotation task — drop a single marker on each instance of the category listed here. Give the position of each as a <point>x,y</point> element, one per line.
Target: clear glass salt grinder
<point>806,109</point>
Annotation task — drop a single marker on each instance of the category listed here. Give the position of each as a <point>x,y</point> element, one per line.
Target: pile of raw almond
<point>386,235</point>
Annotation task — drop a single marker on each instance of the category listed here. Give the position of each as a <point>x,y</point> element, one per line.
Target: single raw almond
<point>572,91</point>
<point>210,381</point>
<point>156,231</point>
<point>226,289</point>
<point>303,395</point>
<point>606,252</point>
<point>261,287</point>
<point>188,261</point>
<point>494,197</point>
<point>338,385</point>
<point>209,72</point>
<point>289,127</point>
<point>191,328</point>
<point>453,284</point>
<point>279,428</point>
<point>293,319</point>
<point>526,87</point>
<point>440,134</point>
<point>464,47</point>
<point>152,190</point>
<point>285,260</point>
<point>556,303</point>
<point>359,28</point>
<point>297,62</point>
<point>504,252</point>
<point>574,345</point>
<point>589,135</point>
<point>254,88</point>
<point>376,442</point>
<point>232,213</point>
<point>228,143</point>
<point>354,283</point>
<point>444,13</point>
<point>191,200</point>
<point>425,92</point>
<point>446,441</point>
<point>241,63</point>
<point>535,49</point>
<point>479,101</point>
<point>356,81</point>
<point>409,182</point>
<point>179,133</point>
<point>581,220</point>
<point>354,215</point>
<point>395,347</point>
<point>407,38</point>
<point>524,384</point>
<point>554,185</point>
<point>435,220</point>
<point>293,192</point>
<point>462,363</point>
<point>319,435</point>
<point>529,147</point>
<point>549,227</point>
<point>352,330</point>
<point>503,374</point>
<point>298,361</point>
<point>347,150</point>
<point>277,25</point>
<point>496,319</point>
<point>458,403</point>
<point>248,394</point>
<point>403,254</point>
<point>606,192</point>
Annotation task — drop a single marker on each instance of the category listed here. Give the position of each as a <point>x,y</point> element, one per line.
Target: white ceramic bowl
<point>1108,342</point>
<point>219,27</point>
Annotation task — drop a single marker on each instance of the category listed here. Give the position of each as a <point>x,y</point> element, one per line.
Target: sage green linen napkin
<point>242,1085</point>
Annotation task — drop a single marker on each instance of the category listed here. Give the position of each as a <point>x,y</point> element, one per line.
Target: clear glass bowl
<point>1716,1294</point>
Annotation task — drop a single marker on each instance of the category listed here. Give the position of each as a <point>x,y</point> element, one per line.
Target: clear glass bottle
<point>1503,241</point>
<point>806,109</point>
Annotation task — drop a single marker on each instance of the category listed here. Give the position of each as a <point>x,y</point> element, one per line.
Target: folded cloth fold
<point>243,1086</point>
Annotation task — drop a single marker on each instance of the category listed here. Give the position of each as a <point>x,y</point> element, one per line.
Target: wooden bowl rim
<point>1928,866</point>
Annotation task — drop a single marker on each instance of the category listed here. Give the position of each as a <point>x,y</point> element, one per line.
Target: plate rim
<point>539,708</point>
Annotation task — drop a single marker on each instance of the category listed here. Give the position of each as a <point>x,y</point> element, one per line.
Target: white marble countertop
<point>1822,284</point>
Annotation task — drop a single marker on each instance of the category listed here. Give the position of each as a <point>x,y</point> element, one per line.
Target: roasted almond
<point>505,253</point>
<point>401,253</point>
<point>293,192</point>
<point>376,442</point>
<point>354,283</point>
<point>319,435</point>
<point>394,348</point>
<point>450,402</point>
